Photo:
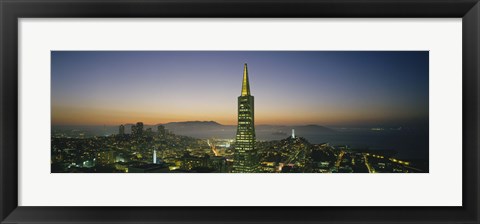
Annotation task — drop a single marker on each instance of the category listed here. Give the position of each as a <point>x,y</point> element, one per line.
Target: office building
<point>245,157</point>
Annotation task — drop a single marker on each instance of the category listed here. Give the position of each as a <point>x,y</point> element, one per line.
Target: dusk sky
<point>290,88</point>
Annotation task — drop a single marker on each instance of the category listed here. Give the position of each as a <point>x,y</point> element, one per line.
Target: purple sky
<point>304,87</point>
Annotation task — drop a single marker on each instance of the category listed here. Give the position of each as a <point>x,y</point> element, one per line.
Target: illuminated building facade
<point>106,157</point>
<point>161,130</point>
<point>245,157</point>
<point>137,130</point>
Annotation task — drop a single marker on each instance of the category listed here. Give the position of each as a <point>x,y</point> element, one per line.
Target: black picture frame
<point>12,10</point>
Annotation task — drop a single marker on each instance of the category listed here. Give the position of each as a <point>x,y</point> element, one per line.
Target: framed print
<point>245,112</point>
<point>181,144</point>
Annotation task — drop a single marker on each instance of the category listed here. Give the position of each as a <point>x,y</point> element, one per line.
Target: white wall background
<point>442,186</point>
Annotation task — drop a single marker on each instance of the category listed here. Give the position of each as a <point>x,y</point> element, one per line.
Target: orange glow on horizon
<point>95,116</point>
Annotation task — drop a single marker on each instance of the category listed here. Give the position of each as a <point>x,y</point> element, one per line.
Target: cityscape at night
<point>240,112</point>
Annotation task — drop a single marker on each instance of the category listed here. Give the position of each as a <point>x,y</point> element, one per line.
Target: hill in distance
<point>210,129</point>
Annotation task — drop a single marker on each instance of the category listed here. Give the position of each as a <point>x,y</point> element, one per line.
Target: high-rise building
<point>121,130</point>
<point>245,157</point>
<point>133,130</point>
<point>137,129</point>
<point>161,130</point>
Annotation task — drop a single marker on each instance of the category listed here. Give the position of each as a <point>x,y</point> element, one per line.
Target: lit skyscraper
<point>133,130</point>
<point>137,130</point>
<point>245,158</point>
<point>121,130</point>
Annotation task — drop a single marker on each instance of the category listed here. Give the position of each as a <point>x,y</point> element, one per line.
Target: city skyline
<point>293,88</point>
<point>208,147</point>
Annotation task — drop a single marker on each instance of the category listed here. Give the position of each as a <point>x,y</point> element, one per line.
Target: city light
<point>193,147</point>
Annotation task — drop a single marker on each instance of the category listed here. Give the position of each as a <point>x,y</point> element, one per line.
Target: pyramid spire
<point>245,83</point>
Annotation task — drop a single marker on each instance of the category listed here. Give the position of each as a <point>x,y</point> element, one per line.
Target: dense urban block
<point>143,150</point>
